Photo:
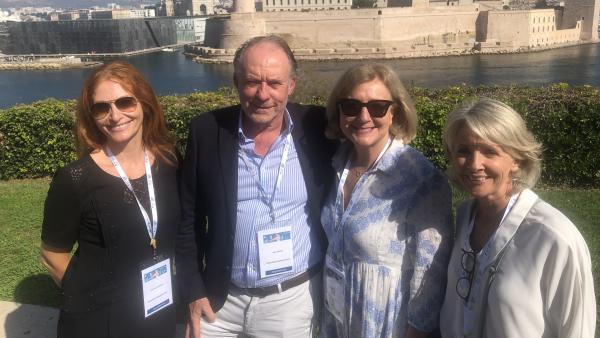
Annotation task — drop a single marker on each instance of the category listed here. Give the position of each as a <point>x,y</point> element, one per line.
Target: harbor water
<point>173,73</point>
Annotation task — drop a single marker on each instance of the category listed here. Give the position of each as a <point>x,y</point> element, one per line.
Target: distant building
<point>85,14</point>
<point>3,35</point>
<point>406,28</point>
<point>66,16</point>
<point>165,8</point>
<point>190,30</point>
<point>195,7</point>
<point>113,14</point>
<point>6,16</point>
<point>101,36</point>
<point>304,5</point>
<point>201,7</point>
<point>142,13</point>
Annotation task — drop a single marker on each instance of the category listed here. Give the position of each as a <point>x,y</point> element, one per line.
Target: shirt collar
<point>385,164</point>
<point>289,125</point>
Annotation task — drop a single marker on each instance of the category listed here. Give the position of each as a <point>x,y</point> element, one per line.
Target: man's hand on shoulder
<point>197,309</point>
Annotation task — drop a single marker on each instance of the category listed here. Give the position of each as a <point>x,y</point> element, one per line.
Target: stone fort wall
<point>390,27</point>
<point>532,28</point>
<point>420,30</point>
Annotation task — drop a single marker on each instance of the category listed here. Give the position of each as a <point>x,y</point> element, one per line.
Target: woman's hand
<point>56,261</point>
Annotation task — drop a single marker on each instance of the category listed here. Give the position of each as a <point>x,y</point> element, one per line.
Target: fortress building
<point>186,7</point>
<point>417,29</point>
<point>196,7</point>
<point>305,5</point>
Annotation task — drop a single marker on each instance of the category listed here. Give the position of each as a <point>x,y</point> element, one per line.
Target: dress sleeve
<point>60,227</point>
<point>430,218</point>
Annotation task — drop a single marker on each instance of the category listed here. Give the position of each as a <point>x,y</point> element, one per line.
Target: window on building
<point>302,2</point>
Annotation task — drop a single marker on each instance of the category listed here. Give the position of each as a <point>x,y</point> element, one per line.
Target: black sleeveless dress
<point>102,288</point>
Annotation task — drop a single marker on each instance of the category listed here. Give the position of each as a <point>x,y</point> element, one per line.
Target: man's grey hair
<point>274,39</point>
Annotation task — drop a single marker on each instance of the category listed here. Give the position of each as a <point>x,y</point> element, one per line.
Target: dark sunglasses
<point>376,108</point>
<point>124,104</point>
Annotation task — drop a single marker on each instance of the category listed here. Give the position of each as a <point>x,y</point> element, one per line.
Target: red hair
<point>155,135</point>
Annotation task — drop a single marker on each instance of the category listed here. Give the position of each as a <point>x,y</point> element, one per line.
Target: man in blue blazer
<point>250,248</point>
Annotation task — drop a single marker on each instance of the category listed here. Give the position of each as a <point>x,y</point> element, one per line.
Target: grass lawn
<point>23,279</point>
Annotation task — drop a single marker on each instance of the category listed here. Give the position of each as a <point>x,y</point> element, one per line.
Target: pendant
<point>153,243</point>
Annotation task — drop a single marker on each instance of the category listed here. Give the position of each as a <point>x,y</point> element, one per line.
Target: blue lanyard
<point>261,189</point>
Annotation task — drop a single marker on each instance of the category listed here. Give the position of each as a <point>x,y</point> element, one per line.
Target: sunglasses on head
<point>353,107</point>
<point>124,104</point>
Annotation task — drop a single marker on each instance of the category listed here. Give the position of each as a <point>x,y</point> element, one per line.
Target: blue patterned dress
<point>393,241</point>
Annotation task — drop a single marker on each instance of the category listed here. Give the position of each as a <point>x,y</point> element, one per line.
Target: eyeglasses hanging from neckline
<point>464,283</point>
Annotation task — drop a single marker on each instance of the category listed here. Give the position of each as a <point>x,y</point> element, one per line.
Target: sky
<point>69,3</point>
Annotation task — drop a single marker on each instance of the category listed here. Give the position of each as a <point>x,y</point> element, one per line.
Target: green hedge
<point>37,139</point>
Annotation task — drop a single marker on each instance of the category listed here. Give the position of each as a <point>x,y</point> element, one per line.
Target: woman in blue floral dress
<point>388,219</point>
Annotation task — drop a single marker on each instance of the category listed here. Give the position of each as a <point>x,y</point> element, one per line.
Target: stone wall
<point>304,5</point>
<point>529,28</point>
<point>369,28</point>
<point>508,26</point>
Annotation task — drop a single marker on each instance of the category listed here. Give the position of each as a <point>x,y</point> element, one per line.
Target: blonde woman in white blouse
<point>519,267</point>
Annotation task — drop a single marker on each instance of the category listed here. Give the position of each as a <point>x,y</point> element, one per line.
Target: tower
<point>165,8</point>
<point>244,6</point>
<point>201,7</point>
<point>585,10</point>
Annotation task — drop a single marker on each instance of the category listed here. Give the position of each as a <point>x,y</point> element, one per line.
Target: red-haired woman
<point>119,203</point>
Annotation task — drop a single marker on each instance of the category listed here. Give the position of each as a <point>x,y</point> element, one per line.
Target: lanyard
<point>150,226</point>
<point>261,189</point>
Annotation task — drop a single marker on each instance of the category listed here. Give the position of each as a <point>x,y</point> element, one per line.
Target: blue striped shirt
<point>253,212</point>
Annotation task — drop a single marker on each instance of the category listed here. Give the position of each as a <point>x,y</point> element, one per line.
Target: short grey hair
<point>496,122</point>
<point>404,122</point>
<point>274,39</point>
